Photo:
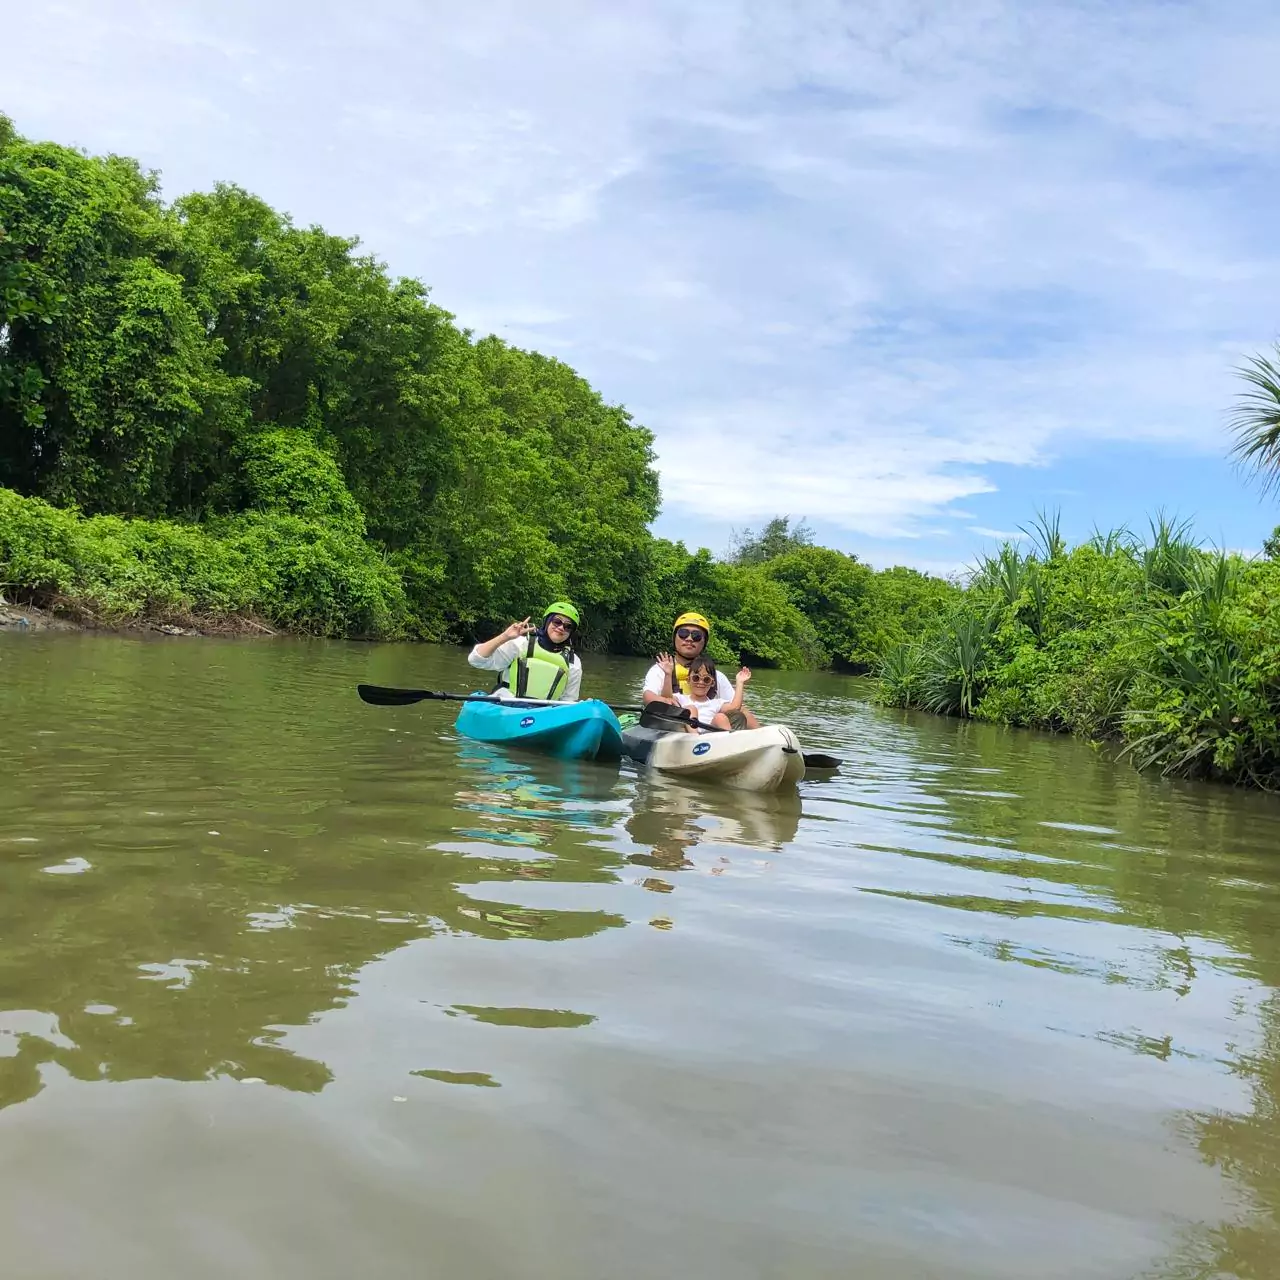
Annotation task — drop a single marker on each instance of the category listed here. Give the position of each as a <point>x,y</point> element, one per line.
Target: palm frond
<point>1255,421</point>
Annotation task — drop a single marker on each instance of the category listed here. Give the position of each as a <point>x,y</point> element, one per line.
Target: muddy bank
<point>24,618</point>
<point>72,615</point>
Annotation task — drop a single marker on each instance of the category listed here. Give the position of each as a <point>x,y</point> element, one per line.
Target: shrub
<point>315,577</point>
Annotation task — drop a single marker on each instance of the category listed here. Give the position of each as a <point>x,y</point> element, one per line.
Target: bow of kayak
<point>765,759</point>
<point>567,730</point>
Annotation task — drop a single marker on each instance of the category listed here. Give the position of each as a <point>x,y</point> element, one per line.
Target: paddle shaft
<point>380,696</point>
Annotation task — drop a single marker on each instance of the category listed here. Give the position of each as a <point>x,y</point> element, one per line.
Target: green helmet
<point>562,607</point>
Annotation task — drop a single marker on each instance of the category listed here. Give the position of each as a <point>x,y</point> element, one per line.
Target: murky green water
<point>295,987</point>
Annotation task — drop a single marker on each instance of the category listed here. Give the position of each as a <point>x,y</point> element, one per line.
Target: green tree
<point>26,298</point>
<point>901,603</point>
<point>105,369</point>
<point>555,494</point>
<point>775,539</point>
<point>324,341</point>
<point>833,591</point>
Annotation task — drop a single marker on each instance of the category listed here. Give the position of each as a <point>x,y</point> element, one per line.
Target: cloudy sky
<point>908,270</point>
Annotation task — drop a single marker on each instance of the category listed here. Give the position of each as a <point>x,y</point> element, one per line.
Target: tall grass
<point>901,673</point>
<point>953,677</point>
<point>1169,558</point>
<point>1046,537</point>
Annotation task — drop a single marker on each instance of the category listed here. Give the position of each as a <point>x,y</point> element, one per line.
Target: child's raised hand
<point>744,674</point>
<point>667,663</point>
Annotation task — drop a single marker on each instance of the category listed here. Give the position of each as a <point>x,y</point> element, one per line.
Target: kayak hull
<point>765,759</point>
<point>567,730</point>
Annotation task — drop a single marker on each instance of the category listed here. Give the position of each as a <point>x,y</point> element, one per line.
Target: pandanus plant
<point>1256,419</point>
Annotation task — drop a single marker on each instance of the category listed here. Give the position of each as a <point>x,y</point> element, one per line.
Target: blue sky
<point>910,271</point>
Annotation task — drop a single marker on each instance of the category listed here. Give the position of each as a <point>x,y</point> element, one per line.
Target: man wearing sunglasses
<point>536,662</point>
<point>689,638</point>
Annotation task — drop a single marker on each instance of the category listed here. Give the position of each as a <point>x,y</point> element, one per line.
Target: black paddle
<point>379,696</point>
<point>663,715</point>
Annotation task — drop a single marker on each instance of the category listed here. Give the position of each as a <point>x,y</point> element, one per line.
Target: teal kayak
<point>568,730</point>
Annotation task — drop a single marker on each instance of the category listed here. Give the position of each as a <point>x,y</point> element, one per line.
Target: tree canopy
<point>213,368</point>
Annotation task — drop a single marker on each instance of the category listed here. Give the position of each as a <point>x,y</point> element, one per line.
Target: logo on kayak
<point>702,748</point>
<point>526,721</point>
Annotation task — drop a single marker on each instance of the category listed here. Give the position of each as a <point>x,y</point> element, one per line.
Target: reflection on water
<point>982,1004</point>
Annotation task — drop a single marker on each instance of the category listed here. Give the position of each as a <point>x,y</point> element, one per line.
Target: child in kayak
<point>690,635</point>
<point>702,700</point>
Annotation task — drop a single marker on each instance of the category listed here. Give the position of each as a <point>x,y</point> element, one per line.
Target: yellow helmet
<point>692,620</point>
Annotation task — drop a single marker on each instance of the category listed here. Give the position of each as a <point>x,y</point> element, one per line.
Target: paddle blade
<point>378,696</point>
<point>664,715</point>
<point>657,711</point>
<point>816,760</point>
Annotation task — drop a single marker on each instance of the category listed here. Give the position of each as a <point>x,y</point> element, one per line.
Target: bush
<point>308,576</point>
<point>1207,701</point>
<point>1170,648</point>
<point>284,470</point>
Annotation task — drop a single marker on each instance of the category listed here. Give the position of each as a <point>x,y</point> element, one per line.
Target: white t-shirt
<point>655,678</point>
<point>705,709</point>
<point>509,650</point>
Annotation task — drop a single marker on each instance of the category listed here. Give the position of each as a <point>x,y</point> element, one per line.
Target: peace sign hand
<point>518,629</point>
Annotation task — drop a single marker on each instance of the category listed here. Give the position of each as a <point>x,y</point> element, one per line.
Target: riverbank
<point>303,563</point>
<point>251,573</point>
<point>73,615</point>
<point>1166,648</point>
<point>25,618</point>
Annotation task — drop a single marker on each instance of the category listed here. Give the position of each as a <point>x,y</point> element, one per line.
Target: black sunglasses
<point>566,624</point>
<point>691,633</point>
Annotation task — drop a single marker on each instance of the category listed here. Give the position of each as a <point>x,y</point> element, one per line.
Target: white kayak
<point>765,759</point>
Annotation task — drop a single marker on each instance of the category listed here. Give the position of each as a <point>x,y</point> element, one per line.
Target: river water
<point>291,986</point>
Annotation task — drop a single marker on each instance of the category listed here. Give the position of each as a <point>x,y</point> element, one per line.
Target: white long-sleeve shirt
<point>508,651</point>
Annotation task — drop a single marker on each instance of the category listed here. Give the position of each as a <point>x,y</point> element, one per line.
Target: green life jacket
<point>537,672</point>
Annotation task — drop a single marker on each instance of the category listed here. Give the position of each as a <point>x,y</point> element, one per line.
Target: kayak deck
<point>567,730</point>
<point>765,759</point>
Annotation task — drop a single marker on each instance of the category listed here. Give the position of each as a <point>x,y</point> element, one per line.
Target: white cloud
<point>1000,535</point>
<point>850,261</point>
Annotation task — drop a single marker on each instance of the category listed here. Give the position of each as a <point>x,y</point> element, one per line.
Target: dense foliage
<point>308,577</point>
<point>145,350</point>
<point>232,414</point>
<point>1156,642</point>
